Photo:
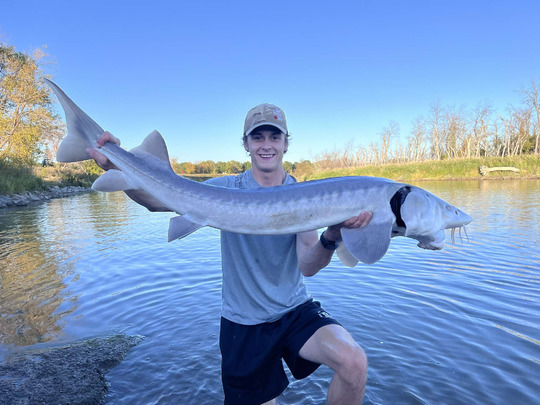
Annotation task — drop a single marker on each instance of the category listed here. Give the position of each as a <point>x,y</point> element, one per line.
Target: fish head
<point>426,217</point>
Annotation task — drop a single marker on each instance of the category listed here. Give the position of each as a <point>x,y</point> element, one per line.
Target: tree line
<point>30,130</point>
<point>451,133</point>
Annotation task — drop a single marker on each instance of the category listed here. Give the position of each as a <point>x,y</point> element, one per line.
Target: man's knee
<point>353,365</point>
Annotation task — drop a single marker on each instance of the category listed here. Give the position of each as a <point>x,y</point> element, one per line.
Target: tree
<point>29,127</point>
<point>234,167</point>
<point>288,166</point>
<point>531,97</point>
<point>416,146</point>
<point>387,135</point>
<point>303,169</point>
<point>435,121</point>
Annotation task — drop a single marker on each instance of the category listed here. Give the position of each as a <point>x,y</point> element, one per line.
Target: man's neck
<point>269,179</point>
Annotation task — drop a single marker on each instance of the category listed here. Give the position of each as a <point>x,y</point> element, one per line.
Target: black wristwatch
<point>330,245</point>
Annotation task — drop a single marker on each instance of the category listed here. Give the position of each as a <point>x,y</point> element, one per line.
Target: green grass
<point>458,169</point>
<point>16,178</point>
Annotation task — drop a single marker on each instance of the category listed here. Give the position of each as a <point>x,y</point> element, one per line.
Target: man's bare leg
<point>333,346</point>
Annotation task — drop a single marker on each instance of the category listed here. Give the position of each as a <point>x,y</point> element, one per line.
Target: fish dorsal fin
<point>154,144</point>
<point>345,256</point>
<point>112,180</point>
<point>370,243</point>
<point>180,227</point>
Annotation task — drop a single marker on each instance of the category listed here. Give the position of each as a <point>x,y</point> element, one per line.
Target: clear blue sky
<point>341,70</point>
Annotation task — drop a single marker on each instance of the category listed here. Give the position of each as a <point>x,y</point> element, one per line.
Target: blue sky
<point>341,70</point>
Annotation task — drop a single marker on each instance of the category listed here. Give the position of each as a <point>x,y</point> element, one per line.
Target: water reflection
<point>40,247</point>
<point>32,279</point>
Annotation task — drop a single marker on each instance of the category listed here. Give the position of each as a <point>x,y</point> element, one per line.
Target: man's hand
<point>332,232</point>
<point>101,159</point>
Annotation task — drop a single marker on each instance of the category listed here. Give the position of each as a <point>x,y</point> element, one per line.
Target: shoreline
<point>28,197</point>
<point>37,196</point>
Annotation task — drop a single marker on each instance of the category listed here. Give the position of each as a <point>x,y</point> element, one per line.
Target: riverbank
<point>25,185</point>
<point>36,196</point>
<point>521,167</point>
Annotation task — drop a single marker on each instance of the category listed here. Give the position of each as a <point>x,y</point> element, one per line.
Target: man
<point>267,314</point>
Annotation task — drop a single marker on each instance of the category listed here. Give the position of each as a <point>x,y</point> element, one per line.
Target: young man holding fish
<point>267,312</point>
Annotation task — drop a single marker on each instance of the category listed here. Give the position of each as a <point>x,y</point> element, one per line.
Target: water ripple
<point>456,326</point>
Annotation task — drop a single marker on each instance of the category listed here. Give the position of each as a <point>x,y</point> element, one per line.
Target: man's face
<point>266,147</point>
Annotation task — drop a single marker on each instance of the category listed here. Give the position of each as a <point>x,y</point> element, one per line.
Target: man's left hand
<point>332,232</point>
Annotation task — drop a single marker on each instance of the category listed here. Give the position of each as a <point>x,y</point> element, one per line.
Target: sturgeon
<point>146,175</point>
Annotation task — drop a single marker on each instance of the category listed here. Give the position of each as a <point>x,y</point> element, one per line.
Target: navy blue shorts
<point>252,368</point>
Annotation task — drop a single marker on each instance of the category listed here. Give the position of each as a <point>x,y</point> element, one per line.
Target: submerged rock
<point>69,374</point>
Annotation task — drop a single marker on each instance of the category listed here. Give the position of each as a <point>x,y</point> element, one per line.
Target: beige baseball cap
<point>265,114</point>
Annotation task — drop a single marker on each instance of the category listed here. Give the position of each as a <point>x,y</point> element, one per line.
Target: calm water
<point>457,326</point>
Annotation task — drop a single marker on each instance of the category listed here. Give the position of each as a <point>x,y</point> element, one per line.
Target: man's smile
<point>267,155</point>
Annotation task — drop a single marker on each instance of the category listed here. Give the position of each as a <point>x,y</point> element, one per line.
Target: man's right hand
<point>101,159</point>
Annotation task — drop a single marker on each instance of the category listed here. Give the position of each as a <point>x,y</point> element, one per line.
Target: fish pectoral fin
<point>112,180</point>
<point>370,243</point>
<point>154,144</point>
<point>181,226</point>
<point>345,256</point>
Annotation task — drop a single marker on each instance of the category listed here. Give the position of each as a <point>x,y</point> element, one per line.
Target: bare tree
<point>531,97</point>
<point>388,134</point>
<point>417,145</point>
<point>480,129</point>
<point>435,123</point>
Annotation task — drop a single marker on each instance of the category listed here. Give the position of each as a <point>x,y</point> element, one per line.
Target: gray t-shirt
<point>261,279</point>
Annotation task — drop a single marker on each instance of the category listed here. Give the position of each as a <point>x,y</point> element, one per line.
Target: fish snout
<point>455,217</point>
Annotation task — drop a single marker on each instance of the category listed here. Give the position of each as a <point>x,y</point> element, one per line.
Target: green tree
<point>29,127</point>
<point>288,166</point>
<point>234,167</point>
<point>221,167</point>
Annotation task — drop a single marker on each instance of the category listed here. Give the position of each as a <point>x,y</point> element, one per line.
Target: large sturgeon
<point>146,175</point>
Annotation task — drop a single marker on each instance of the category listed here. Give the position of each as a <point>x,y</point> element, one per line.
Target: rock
<point>69,374</point>
<point>19,199</point>
<point>5,201</point>
<point>35,196</point>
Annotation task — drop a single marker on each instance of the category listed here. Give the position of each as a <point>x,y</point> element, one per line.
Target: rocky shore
<point>28,197</point>
<point>72,373</point>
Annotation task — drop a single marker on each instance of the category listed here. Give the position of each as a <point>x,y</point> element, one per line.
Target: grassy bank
<point>460,169</point>
<point>17,178</point>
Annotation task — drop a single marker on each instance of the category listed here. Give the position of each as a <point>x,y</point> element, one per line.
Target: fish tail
<point>83,131</point>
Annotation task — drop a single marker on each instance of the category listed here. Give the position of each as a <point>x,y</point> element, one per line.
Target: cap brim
<point>261,124</point>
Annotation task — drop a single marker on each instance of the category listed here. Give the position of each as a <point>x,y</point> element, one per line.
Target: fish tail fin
<point>83,131</point>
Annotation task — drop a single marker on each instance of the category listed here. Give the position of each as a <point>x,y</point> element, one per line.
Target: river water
<point>457,326</point>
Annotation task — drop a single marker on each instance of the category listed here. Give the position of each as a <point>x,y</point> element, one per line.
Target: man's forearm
<point>316,258</point>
